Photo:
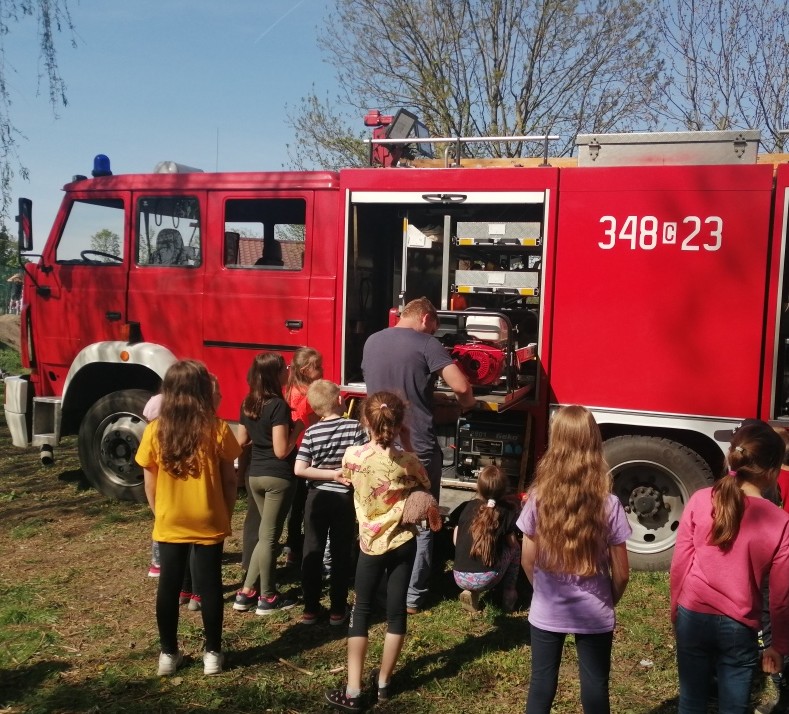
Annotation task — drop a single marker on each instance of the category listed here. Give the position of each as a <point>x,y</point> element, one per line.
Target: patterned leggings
<point>505,571</point>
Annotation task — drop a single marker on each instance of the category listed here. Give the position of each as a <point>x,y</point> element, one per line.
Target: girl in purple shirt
<point>574,554</point>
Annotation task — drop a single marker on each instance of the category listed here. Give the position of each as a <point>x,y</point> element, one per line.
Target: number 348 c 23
<point>647,233</point>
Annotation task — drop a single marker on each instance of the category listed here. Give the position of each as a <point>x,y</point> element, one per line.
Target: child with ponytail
<point>729,542</point>
<point>382,477</point>
<point>487,553</point>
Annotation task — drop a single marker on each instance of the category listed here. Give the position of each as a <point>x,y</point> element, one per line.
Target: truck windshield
<point>93,233</point>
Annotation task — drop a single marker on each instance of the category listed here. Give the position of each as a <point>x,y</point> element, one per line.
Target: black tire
<point>654,478</point>
<point>108,439</point>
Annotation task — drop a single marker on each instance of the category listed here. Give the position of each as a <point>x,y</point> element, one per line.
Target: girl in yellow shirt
<point>187,456</point>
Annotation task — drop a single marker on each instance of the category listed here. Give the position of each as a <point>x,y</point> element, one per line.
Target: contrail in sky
<point>273,25</point>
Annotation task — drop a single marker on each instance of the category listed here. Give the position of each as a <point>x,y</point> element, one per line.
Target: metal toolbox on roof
<point>668,148</point>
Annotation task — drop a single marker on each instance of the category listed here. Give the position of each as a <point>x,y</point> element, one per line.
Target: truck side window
<point>168,231</point>
<point>265,234</point>
<point>93,234</point>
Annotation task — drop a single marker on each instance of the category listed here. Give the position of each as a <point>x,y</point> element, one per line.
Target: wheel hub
<point>119,444</point>
<point>646,501</point>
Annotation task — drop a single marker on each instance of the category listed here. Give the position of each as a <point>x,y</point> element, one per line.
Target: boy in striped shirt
<point>329,511</point>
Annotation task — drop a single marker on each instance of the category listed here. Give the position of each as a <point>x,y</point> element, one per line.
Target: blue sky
<point>154,80</point>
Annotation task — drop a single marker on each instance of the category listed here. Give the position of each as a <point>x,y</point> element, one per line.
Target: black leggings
<point>207,572</point>
<point>396,565</point>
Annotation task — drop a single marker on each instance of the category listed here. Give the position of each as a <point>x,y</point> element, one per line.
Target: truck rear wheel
<point>654,478</point>
<point>108,439</point>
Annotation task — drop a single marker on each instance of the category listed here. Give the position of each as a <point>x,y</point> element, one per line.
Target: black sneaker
<point>378,692</point>
<point>340,700</point>
<point>245,602</point>
<point>279,602</point>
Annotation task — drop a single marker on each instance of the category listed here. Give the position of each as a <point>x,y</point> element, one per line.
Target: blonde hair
<point>383,414</point>
<point>323,396</point>
<point>485,528</point>
<point>755,455</point>
<point>571,488</point>
<point>418,308</point>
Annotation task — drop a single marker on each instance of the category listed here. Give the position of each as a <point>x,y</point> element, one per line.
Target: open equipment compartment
<point>478,257</point>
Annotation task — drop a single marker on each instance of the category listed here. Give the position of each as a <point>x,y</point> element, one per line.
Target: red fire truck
<point>645,282</point>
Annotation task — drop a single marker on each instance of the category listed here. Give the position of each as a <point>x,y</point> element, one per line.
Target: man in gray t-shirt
<point>407,359</point>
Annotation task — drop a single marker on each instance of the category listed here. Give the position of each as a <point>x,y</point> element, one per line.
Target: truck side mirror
<point>25,221</point>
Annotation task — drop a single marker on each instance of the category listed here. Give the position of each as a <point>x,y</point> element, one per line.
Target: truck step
<point>46,420</point>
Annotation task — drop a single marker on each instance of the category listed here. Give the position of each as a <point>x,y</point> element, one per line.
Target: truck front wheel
<point>654,478</point>
<point>108,439</point>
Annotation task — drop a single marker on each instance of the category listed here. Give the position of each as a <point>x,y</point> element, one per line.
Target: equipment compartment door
<point>660,288</point>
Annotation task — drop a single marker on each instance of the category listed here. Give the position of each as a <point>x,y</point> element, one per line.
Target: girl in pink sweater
<point>729,541</point>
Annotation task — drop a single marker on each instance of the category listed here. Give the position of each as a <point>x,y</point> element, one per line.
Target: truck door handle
<point>294,324</point>
<point>112,316</point>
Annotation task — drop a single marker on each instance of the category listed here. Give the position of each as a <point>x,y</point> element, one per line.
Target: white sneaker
<point>212,662</point>
<point>168,663</point>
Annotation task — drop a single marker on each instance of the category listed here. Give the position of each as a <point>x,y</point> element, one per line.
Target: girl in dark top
<point>265,431</point>
<point>487,552</point>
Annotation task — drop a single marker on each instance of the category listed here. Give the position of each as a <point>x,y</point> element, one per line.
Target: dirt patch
<point>9,331</point>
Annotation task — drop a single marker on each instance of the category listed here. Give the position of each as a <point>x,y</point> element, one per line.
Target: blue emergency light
<point>101,166</point>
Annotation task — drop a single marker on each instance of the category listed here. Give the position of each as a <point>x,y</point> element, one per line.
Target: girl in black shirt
<point>487,553</point>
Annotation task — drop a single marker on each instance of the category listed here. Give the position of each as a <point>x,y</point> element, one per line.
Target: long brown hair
<point>187,423</point>
<point>303,358</point>
<point>571,486</point>
<point>383,414</point>
<point>264,382</point>
<point>487,523</point>
<point>755,455</point>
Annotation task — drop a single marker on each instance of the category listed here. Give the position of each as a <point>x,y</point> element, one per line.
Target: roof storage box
<point>668,149</point>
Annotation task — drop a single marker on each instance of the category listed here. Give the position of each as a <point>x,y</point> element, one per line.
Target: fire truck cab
<point>646,282</point>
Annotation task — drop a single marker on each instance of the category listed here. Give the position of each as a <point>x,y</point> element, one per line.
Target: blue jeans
<point>423,563</point>
<point>708,644</point>
<point>594,668</point>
